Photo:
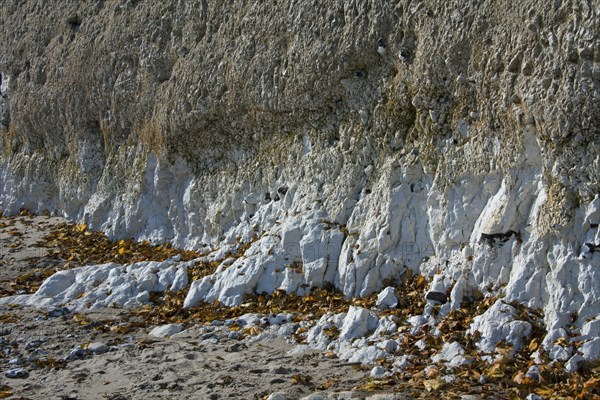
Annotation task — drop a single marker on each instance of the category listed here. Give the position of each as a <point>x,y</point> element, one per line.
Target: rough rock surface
<point>465,145</point>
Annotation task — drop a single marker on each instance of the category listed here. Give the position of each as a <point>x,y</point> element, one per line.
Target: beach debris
<point>301,379</point>
<point>5,391</point>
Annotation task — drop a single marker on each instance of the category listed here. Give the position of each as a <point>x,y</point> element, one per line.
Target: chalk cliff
<point>358,139</point>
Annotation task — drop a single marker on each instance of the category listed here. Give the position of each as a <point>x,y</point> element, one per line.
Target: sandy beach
<point>54,349</point>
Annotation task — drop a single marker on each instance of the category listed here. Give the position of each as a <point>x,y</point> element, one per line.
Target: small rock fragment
<point>58,312</point>
<point>17,373</point>
<point>533,396</point>
<point>378,372</point>
<point>387,299</point>
<point>277,396</point>
<point>77,354</point>
<point>437,296</point>
<point>98,348</point>
<point>166,330</point>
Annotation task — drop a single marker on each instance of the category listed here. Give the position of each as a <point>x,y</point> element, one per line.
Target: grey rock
<point>437,296</point>
<point>98,348</point>
<point>58,312</point>
<point>17,373</point>
<point>166,330</point>
<point>278,396</point>
<point>77,353</point>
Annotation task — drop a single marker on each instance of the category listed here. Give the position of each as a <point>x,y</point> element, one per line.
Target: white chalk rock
<point>357,323</point>
<point>452,354</point>
<point>166,330</point>
<point>387,299</point>
<point>590,349</point>
<point>498,323</point>
<point>104,285</point>
<point>378,372</point>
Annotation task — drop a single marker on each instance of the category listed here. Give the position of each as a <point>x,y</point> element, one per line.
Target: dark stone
<point>593,226</point>
<point>234,348</point>
<point>359,73</point>
<point>491,238</point>
<point>282,190</point>
<point>268,197</point>
<point>437,296</point>
<point>258,371</point>
<point>58,312</point>
<point>276,198</point>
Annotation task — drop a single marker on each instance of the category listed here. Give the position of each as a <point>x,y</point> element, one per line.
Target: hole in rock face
<point>74,22</point>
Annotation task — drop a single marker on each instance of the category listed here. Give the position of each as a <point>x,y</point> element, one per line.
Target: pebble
<point>378,372</point>
<point>281,370</point>
<point>533,373</point>
<point>33,344</point>
<point>234,348</point>
<point>16,361</point>
<point>17,373</point>
<point>315,396</point>
<point>98,348</point>
<point>533,396</point>
<point>207,336</point>
<point>166,330</point>
<point>437,296</point>
<point>277,396</point>
<point>234,335</point>
<point>279,319</point>
<point>58,312</point>
<point>32,358</point>
<point>77,354</point>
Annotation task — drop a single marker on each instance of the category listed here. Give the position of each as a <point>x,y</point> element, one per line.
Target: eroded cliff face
<point>360,139</point>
